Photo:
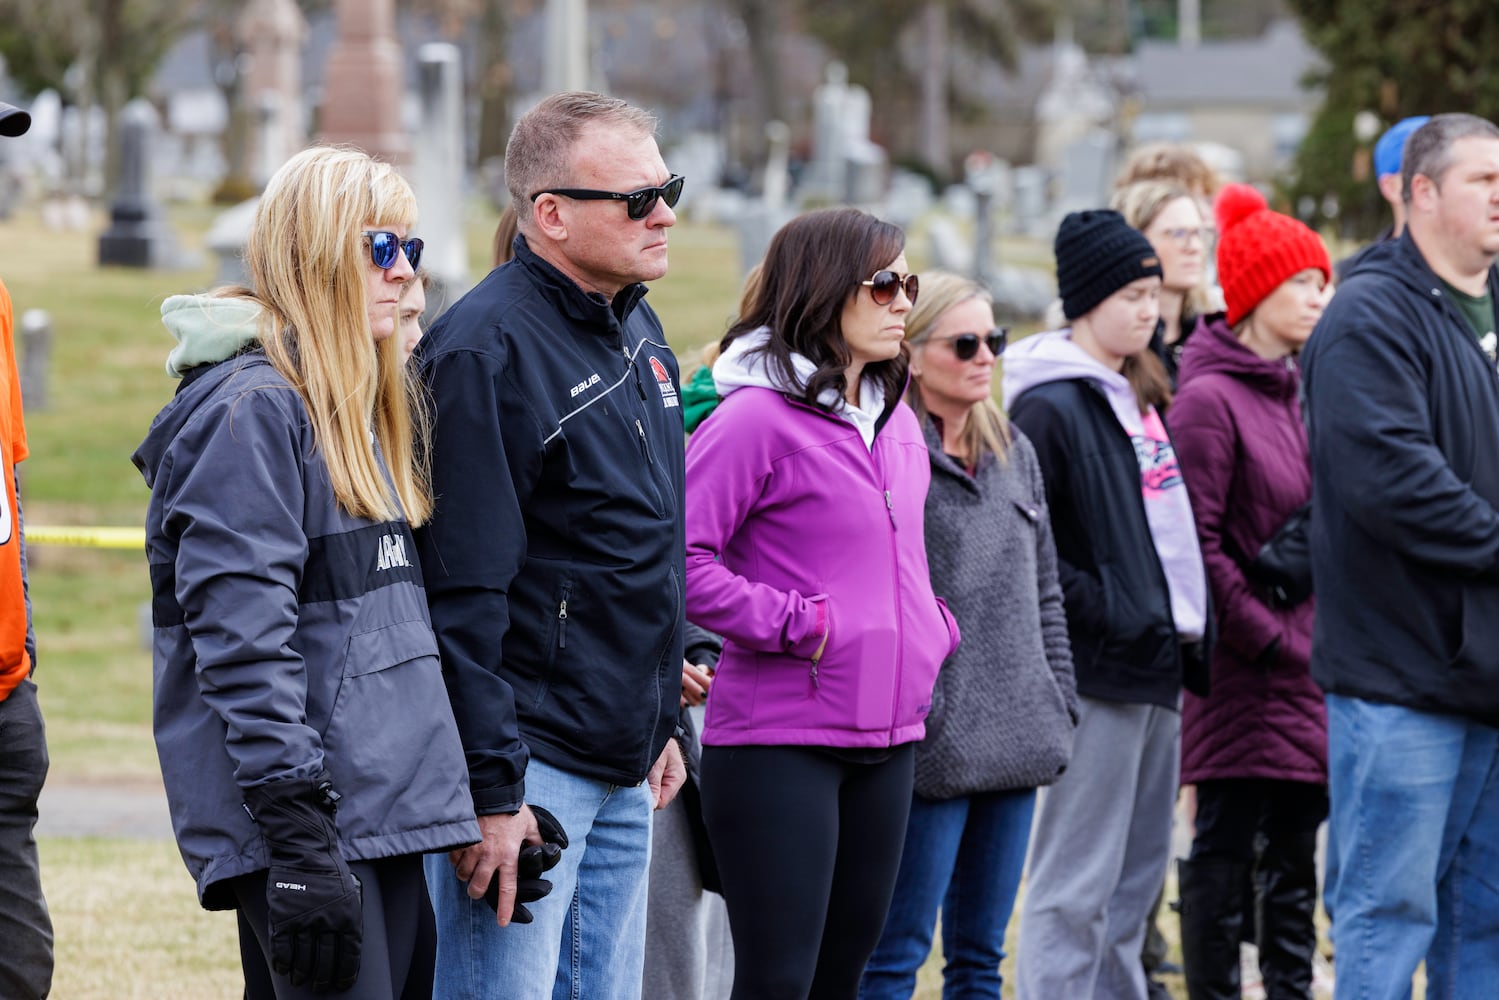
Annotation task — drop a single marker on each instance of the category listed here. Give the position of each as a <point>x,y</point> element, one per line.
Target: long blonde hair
<point>307,258</point>
<point>986,428</point>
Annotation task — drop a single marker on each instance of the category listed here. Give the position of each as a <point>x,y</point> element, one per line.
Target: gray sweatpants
<point>1099,850</point>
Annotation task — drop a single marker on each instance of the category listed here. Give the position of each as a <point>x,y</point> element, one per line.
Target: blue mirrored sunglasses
<point>383,247</point>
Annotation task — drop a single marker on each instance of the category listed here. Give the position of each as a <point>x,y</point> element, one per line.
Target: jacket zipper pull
<point>890,506</point>
<point>645,443</point>
<point>813,672</point>
<point>562,627</point>
<point>635,370</point>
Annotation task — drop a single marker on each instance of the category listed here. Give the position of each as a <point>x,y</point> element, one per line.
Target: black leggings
<point>399,951</point>
<point>808,846</point>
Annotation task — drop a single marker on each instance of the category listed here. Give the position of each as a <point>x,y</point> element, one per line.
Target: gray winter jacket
<point>290,637</point>
<point>1005,705</point>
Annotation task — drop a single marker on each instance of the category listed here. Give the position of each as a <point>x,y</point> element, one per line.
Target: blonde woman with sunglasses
<point>308,748</point>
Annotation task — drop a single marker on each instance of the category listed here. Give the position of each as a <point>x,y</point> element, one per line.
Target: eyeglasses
<point>884,284</point>
<point>965,346</point>
<point>638,204</point>
<point>1185,234</point>
<point>383,247</point>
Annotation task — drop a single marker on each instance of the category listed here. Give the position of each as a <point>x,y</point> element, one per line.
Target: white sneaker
<point>1322,977</point>
<point>1251,984</point>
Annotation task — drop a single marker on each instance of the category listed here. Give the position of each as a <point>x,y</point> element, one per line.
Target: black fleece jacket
<point>1402,408</point>
<point>554,560</point>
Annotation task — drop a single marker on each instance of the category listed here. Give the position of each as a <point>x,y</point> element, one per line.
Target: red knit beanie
<point>1258,249</point>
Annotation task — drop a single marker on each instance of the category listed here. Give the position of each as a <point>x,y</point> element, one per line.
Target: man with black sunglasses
<point>554,561</point>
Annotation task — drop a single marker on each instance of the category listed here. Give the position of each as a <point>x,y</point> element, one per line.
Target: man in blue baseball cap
<point>1387,157</point>
<point>1388,153</point>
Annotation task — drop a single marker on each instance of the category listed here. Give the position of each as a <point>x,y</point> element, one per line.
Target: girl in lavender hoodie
<point>1090,398</point>
<point>805,550</point>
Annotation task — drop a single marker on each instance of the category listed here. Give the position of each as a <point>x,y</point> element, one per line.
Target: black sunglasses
<point>884,284</point>
<point>638,204</point>
<point>383,247</point>
<point>965,346</point>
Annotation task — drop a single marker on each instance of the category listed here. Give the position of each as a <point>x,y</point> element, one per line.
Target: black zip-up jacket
<point>554,559</point>
<point>1402,409</point>
<point>1124,640</point>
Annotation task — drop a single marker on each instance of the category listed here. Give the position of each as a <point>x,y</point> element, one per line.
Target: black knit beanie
<point>1099,253</point>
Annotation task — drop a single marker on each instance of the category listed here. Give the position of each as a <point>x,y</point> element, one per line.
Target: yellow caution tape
<point>93,538</point>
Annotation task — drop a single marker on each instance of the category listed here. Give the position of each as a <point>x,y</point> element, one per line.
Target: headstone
<point>272,33</point>
<point>36,358</point>
<point>824,178</point>
<point>1029,208</point>
<point>1074,103</point>
<point>226,240</point>
<point>950,251</point>
<point>567,46</point>
<point>1087,172</point>
<point>778,153</point>
<point>439,173</point>
<point>978,174</point>
<point>909,197</point>
<point>137,235</point>
<point>363,83</point>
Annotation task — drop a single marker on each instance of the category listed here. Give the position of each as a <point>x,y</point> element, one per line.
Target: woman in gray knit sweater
<point>1005,703</point>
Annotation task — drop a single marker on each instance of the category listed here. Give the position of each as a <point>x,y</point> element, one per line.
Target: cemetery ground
<point>126,917</point>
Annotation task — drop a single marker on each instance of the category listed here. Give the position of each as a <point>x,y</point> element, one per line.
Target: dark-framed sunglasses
<point>884,284</point>
<point>384,246</point>
<point>965,346</point>
<point>638,204</point>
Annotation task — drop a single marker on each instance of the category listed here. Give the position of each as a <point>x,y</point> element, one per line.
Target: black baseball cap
<point>13,121</point>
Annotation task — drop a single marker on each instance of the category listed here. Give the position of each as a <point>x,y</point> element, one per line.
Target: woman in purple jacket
<point>1256,748</point>
<point>805,550</point>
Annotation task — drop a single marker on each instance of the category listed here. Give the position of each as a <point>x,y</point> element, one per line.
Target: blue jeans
<point>587,939</point>
<point>1415,820</point>
<point>965,855</point>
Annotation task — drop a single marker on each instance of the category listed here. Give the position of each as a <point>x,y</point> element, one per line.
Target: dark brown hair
<point>812,269</point>
<point>1147,376</point>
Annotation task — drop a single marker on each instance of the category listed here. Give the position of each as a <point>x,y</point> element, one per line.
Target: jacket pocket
<point>390,735</point>
<point>557,640</point>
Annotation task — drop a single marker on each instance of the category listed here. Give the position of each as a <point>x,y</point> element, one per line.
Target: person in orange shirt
<point>25,927</point>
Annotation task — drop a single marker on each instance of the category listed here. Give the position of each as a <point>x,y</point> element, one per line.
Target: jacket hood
<point>1053,357</point>
<point>191,395</point>
<point>1400,259</point>
<point>744,363</point>
<point>208,328</point>
<point>1213,349</point>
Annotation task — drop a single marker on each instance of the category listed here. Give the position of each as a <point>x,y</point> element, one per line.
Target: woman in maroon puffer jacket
<point>1256,748</point>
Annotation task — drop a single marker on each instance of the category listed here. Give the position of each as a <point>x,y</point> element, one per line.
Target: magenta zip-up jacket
<point>796,529</point>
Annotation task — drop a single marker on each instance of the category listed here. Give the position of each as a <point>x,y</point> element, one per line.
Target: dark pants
<point>25,927</point>
<point>1261,830</point>
<point>808,846</point>
<point>400,936</point>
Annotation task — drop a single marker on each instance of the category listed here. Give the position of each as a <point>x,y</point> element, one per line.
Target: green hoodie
<point>699,397</point>
<point>208,329</point>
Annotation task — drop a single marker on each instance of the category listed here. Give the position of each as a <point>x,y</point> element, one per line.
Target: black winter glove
<point>315,903</point>
<point>532,862</point>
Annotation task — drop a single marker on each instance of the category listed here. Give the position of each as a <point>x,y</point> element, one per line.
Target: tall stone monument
<point>567,48</point>
<point>363,83</point>
<point>272,33</point>
<point>439,174</point>
<point>137,235</point>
